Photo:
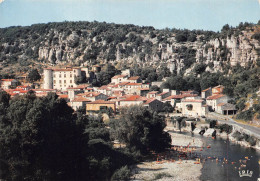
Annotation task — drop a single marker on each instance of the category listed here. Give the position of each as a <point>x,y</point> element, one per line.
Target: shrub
<point>212,123</point>
<point>225,128</point>
<point>161,175</point>
<point>251,140</point>
<point>246,115</point>
<point>238,136</point>
<point>123,173</point>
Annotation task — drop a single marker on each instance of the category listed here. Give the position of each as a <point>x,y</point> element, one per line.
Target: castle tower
<point>77,72</point>
<point>48,84</point>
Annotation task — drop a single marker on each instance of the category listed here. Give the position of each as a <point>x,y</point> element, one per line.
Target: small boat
<point>208,146</point>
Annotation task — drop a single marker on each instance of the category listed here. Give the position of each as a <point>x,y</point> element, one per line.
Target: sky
<point>189,14</point>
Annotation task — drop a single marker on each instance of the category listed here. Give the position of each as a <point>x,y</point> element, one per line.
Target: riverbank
<point>170,166</point>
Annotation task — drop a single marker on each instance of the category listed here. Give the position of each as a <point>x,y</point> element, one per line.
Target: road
<point>227,120</point>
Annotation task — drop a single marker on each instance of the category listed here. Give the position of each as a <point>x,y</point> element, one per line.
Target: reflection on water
<point>225,159</point>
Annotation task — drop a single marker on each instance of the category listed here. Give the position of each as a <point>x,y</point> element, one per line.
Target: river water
<point>235,155</point>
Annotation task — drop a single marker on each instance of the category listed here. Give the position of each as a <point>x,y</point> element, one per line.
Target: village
<point>123,90</point>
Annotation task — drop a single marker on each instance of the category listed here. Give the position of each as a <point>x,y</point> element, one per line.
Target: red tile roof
<point>129,84</point>
<point>144,89</point>
<point>135,98</point>
<point>7,80</point>
<point>192,100</point>
<point>205,89</point>
<point>119,76</point>
<point>162,93</point>
<point>186,92</point>
<point>190,95</point>
<point>134,78</point>
<point>81,99</point>
<point>174,97</point>
<point>153,92</point>
<point>63,96</point>
<point>150,100</point>
<point>215,97</point>
<point>89,94</point>
<point>62,70</point>
<point>221,104</point>
<point>101,102</point>
<point>43,90</point>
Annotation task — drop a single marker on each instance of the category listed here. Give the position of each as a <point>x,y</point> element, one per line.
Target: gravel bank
<point>179,170</point>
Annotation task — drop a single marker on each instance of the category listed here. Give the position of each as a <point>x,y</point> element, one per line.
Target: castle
<point>60,78</point>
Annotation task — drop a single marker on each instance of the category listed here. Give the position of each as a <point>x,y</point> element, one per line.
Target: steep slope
<point>85,42</point>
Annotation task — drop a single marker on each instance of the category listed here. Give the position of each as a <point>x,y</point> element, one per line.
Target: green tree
<point>34,75</point>
<point>141,130</point>
<point>167,108</point>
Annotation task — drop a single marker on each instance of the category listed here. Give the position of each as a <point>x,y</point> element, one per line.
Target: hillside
<point>195,59</point>
<point>84,42</point>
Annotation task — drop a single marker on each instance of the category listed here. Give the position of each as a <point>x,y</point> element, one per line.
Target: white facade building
<point>193,108</point>
<point>60,79</point>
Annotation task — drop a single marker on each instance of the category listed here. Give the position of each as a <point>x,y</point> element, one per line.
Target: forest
<point>44,139</point>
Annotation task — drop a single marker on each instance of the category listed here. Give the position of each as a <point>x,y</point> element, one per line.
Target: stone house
<point>143,91</point>
<point>154,104</point>
<point>226,109</point>
<point>100,105</point>
<point>193,108</point>
<point>163,95</point>
<point>104,90</point>
<point>214,100</point>
<point>119,78</point>
<point>135,79</point>
<point>93,96</point>
<point>132,88</point>
<point>9,83</point>
<point>79,102</point>
<point>174,99</point>
<point>72,92</point>
<point>152,94</point>
<point>132,100</point>
<point>217,90</point>
<point>206,93</point>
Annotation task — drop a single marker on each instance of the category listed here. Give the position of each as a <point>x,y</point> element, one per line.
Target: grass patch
<point>161,175</point>
<point>245,122</point>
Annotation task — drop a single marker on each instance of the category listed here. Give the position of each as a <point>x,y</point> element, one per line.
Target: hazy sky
<point>190,14</point>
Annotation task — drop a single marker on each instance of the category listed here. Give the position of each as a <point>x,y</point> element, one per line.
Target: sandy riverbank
<point>175,169</point>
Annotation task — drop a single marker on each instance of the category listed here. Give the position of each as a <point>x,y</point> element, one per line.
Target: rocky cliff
<point>91,43</point>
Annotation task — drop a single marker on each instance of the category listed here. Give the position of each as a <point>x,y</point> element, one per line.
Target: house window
<point>70,81</point>
<point>64,75</point>
<point>70,75</point>
<point>54,81</point>
<point>54,75</point>
<point>102,108</point>
<point>64,81</point>
<point>60,81</point>
<point>60,76</point>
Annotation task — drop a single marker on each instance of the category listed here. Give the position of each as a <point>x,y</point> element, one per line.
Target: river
<point>222,170</point>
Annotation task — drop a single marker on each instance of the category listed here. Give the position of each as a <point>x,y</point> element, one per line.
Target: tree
<point>39,139</point>
<point>199,68</point>
<point>141,130</point>
<point>154,88</point>
<point>174,83</point>
<point>34,75</point>
<point>167,108</point>
<point>43,139</point>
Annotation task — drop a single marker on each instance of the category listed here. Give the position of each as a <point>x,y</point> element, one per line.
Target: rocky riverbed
<point>169,168</point>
